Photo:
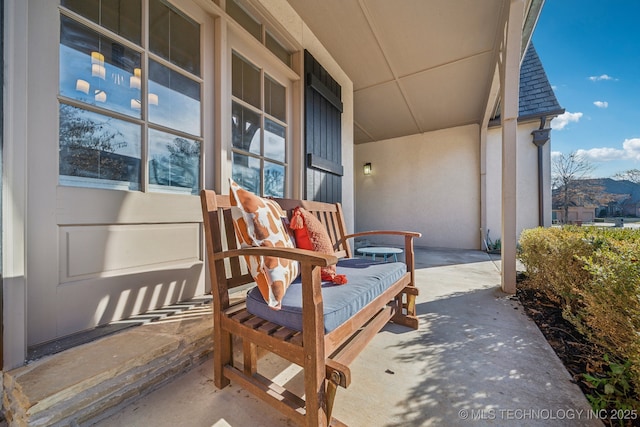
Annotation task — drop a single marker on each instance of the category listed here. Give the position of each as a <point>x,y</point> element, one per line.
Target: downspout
<point>540,137</point>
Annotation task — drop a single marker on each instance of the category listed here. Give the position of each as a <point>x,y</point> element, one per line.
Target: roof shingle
<point>536,94</point>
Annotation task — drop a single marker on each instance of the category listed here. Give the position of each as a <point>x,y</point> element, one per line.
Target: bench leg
<point>250,357</point>
<point>332,387</point>
<point>409,318</point>
<point>222,356</point>
<point>411,304</point>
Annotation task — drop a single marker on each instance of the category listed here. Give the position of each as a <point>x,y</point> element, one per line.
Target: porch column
<point>510,90</point>
<point>14,185</point>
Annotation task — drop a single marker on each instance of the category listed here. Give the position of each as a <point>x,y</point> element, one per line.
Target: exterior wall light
<point>367,169</point>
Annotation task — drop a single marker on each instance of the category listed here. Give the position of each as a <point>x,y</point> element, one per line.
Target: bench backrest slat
<point>330,215</point>
<point>232,243</point>
<point>220,236</point>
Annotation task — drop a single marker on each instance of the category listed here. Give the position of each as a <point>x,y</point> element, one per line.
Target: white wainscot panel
<point>111,250</point>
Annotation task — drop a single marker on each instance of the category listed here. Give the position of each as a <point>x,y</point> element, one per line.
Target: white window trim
<point>253,51</point>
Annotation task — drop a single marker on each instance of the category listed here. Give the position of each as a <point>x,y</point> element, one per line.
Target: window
<point>258,31</point>
<point>259,129</point>
<point>130,114</point>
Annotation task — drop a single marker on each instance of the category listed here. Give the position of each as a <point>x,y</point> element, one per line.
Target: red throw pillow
<point>312,235</point>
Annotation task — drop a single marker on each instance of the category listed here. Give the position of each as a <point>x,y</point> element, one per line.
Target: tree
<point>632,175</point>
<point>88,146</point>
<point>180,167</point>
<point>567,173</point>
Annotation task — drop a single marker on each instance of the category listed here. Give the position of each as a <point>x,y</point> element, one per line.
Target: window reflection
<point>274,99</point>
<point>245,81</point>
<point>273,179</point>
<point>123,17</point>
<point>246,172</point>
<point>244,19</point>
<point>174,163</point>
<point>174,100</point>
<point>245,129</point>
<point>274,140</point>
<point>97,70</point>
<point>278,50</point>
<point>96,148</point>
<point>174,36</point>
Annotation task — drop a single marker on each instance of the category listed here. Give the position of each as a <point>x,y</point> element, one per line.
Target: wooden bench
<point>324,356</point>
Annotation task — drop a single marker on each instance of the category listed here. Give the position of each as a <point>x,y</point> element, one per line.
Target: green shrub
<point>552,260</point>
<point>594,274</point>
<point>613,390</point>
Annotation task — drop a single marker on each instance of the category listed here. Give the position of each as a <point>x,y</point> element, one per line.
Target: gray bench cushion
<point>367,279</point>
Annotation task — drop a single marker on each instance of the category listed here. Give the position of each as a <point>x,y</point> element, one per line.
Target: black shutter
<point>323,134</point>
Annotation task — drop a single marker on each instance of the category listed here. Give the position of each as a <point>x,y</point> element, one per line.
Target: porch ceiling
<point>416,65</point>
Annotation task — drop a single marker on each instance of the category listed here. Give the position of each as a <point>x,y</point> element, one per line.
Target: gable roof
<point>536,94</point>
<point>537,98</point>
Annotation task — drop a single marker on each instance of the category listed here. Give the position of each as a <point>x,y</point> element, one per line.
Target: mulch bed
<point>578,355</point>
<point>575,351</point>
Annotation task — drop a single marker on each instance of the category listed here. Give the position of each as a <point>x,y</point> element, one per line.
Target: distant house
<point>608,197</point>
<point>625,195</point>
<point>576,214</point>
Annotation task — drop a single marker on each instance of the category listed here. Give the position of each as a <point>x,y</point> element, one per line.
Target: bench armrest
<point>301,255</point>
<point>408,236</point>
<point>380,232</point>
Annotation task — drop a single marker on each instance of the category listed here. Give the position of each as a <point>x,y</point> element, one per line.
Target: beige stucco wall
<point>527,172</point>
<point>427,182</point>
<point>66,245</point>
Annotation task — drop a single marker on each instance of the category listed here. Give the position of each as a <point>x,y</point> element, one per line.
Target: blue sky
<point>590,50</point>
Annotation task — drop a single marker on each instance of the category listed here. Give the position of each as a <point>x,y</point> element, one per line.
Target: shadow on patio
<point>476,359</point>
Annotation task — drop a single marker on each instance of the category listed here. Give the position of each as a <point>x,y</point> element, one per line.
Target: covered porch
<point>95,255</point>
<point>475,358</point>
<point>420,84</point>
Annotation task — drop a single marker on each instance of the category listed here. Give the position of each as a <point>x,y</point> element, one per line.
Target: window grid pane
<point>245,129</point>
<point>104,150</point>
<point>174,37</point>
<point>174,163</point>
<point>97,70</point>
<point>274,140</point>
<point>174,99</point>
<point>276,48</point>
<point>244,19</point>
<point>245,81</point>
<point>123,17</point>
<point>246,172</point>
<point>275,102</point>
<point>255,28</point>
<point>259,141</point>
<point>274,175</point>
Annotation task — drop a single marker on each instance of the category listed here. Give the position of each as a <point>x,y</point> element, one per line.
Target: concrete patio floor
<point>476,360</point>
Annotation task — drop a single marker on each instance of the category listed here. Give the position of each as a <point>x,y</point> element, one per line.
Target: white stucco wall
<point>527,172</point>
<point>428,183</point>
